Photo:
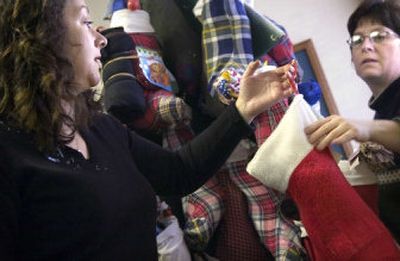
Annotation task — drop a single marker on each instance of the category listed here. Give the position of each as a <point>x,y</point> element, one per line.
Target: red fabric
<point>150,120</point>
<point>268,120</point>
<point>237,240</point>
<point>133,5</point>
<point>369,193</point>
<point>309,248</point>
<point>339,224</point>
<point>149,41</point>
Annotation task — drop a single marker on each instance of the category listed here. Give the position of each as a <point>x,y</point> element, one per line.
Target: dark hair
<point>386,12</point>
<point>34,77</point>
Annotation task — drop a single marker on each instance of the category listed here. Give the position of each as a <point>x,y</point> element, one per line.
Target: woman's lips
<point>368,61</point>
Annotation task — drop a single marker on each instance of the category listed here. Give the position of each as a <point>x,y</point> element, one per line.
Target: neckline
<point>385,103</point>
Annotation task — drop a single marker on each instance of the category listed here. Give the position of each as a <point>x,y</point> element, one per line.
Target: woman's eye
<point>381,36</point>
<point>378,36</point>
<point>88,23</point>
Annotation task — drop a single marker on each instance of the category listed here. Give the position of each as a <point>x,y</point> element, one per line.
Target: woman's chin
<point>94,80</point>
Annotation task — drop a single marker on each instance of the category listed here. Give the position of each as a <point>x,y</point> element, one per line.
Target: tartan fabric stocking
<point>223,54</point>
<point>277,233</point>
<point>236,239</point>
<point>225,58</point>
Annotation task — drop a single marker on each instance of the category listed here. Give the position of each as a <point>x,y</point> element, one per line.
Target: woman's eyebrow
<point>85,7</point>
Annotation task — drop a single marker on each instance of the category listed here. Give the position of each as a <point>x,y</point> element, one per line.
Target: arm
<point>186,170</point>
<point>337,130</point>
<point>386,133</point>
<point>183,171</point>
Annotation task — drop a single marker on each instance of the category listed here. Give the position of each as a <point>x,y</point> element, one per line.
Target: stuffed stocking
<point>258,217</point>
<point>339,224</point>
<point>133,53</point>
<point>133,46</point>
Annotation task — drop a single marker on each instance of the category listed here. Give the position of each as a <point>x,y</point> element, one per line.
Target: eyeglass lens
<point>374,36</point>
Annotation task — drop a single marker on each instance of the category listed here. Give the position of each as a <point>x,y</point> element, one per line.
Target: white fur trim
<point>198,9</point>
<point>137,21</point>
<point>281,153</point>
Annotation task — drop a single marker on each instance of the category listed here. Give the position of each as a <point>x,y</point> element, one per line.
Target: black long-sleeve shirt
<point>60,206</point>
<point>387,106</point>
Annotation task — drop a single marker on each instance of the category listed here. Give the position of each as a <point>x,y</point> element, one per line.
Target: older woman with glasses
<point>374,29</point>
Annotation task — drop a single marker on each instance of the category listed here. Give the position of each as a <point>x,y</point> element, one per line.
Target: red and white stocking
<point>340,226</point>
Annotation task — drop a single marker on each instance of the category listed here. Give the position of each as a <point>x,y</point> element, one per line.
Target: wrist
<point>242,109</point>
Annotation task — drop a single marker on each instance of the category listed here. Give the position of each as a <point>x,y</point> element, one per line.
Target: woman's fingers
<point>332,135</point>
<point>251,68</point>
<point>331,130</point>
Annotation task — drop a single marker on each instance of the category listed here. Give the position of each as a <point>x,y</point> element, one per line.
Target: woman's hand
<point>259,91</point>
<point>337,130</point>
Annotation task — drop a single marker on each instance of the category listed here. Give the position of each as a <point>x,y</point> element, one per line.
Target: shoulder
<point>103,120</point>
<point>16,148</point>
<point>12,136</point>
<point>106,125</point>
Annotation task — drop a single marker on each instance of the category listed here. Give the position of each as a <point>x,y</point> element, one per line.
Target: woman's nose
<point>367,44</point>
<point>101,41</point>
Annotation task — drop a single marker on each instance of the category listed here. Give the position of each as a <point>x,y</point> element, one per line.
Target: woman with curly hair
<point>74,183</point>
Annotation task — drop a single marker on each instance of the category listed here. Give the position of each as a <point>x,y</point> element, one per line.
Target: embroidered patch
<point>154,69</point>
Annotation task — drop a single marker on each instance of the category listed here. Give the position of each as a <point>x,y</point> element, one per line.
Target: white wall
<point>97,10</point>
<point>324,21</point>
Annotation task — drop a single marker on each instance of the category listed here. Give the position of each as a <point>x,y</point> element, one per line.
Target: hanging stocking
<point>339,224</point>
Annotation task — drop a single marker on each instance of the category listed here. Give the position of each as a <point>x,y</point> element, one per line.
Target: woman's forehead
<point>76,7</point>
<point>368,24</point>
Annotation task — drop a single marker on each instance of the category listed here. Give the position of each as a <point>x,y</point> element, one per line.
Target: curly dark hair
<point>34,77</point>
<point>386,12</point>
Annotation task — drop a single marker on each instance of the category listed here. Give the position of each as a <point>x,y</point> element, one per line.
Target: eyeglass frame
<point>371,37</point>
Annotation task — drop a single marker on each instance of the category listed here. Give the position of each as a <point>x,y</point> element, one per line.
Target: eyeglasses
<point>375,36</point>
